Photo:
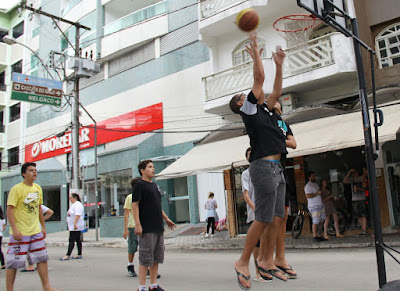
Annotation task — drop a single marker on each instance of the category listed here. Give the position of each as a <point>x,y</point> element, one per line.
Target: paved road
<point>105,269</point>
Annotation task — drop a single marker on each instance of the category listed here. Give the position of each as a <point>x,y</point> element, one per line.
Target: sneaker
<point>148,275</point>
<point>131,271</point>
<point>315,239</point>
<point>320,238</point>
<point>206,234</point>
<point>158,288</point>
<point>363,233</point>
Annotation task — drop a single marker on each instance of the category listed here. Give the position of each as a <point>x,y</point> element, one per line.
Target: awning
<point>315,136</point>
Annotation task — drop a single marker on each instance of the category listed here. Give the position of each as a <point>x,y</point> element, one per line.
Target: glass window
<point>3,33</point>
<point>2,81</point>
<point>17,67</point>
<point>34,61</point>
<point>13,156</point>
<point>1,122</point>
<point>18,30</point>
<point>240,56</point>
<point>51,199</point>
<point>388,44</point>
<point>116,185</point>
<point>15,112</point>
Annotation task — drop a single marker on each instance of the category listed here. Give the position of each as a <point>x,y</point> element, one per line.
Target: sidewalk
<point>183,238</point>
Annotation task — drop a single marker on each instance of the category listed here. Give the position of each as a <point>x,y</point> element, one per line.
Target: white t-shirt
<point>247,185</point>
<point>44,209</point>
<point>2,222</point>
<point>312,188</point>
<point>75,209</point>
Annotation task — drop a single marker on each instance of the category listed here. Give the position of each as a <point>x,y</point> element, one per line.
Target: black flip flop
<point>247,278</point>
<point>290,275</point>
<point>271,272</point>
<point>264,271</point>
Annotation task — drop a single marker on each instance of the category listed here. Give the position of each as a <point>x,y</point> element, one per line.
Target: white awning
<point>315,136</point>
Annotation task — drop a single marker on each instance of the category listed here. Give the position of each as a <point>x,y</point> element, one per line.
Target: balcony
<point>210,8</point>
<point>3,56</point>
<point>136,28</point>
<point>2,96</point>
<point>325,68</point>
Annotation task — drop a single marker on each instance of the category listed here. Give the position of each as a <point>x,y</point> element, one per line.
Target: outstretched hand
<point>279,57</point>
<point>252,49</point>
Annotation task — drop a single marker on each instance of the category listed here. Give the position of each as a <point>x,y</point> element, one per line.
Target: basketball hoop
<point>296,29</point>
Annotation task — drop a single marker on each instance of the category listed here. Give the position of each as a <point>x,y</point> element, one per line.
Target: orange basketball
<point>247,20</point>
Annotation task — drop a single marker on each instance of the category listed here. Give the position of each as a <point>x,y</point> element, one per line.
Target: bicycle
<point>299,221</point>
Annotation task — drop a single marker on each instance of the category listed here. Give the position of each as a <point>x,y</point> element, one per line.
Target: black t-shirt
<point>286,130</point>
<point>150,211</point>
<point>266,137</point>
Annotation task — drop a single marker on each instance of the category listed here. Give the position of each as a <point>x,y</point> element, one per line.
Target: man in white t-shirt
<point>316,206</point>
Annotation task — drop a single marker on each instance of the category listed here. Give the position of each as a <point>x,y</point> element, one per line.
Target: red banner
<point>133,123</point>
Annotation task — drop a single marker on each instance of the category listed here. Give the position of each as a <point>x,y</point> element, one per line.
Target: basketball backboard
<point>321,8</point>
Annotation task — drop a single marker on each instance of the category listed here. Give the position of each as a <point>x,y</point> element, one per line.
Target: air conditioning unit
<point>288,102</point>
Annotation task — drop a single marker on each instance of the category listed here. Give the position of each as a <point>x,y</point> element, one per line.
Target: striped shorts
<point>33,247</point>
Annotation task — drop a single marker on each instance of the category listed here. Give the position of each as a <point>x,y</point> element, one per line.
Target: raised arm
<point>258,68</point>
<point>278,57</point>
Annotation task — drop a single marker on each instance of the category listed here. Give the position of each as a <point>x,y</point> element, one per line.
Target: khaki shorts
<point>151,248</point>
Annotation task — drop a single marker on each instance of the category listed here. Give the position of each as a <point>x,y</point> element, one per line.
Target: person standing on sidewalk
<point>248,196</point>
<point>24,215</point>
<point>316,206</point>
<point>149,227</point>
<point>268,143</point>
<point>47,213</point>
<point>76,224</point>
<point>129,230</point>
<point>211,206</point>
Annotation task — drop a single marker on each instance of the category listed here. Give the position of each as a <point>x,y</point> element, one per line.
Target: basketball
<point>247,20</point>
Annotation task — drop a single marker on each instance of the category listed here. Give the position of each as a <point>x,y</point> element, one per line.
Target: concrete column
<point>193,199</point>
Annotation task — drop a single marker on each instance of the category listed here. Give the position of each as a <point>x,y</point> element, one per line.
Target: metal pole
<point>75,123</point>
<point>370,159</point>
<point>95,181</point>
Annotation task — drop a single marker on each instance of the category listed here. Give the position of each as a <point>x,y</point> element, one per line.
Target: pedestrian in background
<point>2,228</point>
<point>330,209</point>
<point>212,216</point>
<point>75,225</point>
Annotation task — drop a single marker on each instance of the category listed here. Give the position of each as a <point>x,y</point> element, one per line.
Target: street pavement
<point>105,269</point>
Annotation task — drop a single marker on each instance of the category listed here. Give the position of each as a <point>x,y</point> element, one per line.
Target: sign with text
<point>38,90</point>
<point>133,123</point>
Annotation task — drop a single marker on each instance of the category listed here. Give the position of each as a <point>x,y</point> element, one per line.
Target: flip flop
<point>77,257</point>
<point>273,272</point>
<point>25,270</point>
<point>67,259</point>
<point>289,275</point>
<point>264,271</point>
<point>262,280</point>
<point>247,278</point>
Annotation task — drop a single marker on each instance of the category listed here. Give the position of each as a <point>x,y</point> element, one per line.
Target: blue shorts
<point>317,213</point>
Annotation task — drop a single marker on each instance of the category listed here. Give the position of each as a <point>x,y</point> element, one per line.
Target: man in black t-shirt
<point>149,227</point>
<point>268,144</point>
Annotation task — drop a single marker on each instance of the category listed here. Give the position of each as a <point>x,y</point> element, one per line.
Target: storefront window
<point>89,201</point>
<point>392,154</point>
<point>115,187</point>
<point>51,199</point>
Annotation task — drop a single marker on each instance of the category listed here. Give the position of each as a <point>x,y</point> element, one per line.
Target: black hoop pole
<point>369,158</point>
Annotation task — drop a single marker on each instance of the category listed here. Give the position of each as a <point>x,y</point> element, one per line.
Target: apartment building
<point>320,101</point>
<point>147,102</point>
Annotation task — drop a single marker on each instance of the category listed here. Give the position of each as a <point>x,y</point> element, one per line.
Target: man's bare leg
<point>10,279</point>
<point>280,258</point>
<point>142,274</point>
<point>268,240</point>
<point>153,273</point>
<point>253,235</point>
<point>44,276</point>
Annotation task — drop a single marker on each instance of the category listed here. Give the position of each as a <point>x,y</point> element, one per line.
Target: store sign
<point>133,123</point>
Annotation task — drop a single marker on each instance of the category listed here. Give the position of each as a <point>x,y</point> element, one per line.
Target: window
<point>18,30</point>
<point>2,81</point>
<point>15,112</point>
<point>240,56</point>
<point>34,62</point>
<point>388,46</point>
<point>51,199</point>
<point>17,67</point>
<point>13,156</point>
<point>3,33</point>
<point>1,123</point>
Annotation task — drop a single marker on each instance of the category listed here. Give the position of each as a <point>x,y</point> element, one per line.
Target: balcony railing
<point>211,7</point>
<point>136,17</point>
<point>317,54</point>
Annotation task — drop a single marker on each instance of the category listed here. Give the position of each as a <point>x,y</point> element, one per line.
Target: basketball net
<point>296,29</point>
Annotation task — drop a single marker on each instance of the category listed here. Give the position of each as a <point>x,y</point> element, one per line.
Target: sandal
<point>247,278</point>
<point>289,275</point>
<point>65,259</point>
<point>271,272</point>
<point>77,257</point>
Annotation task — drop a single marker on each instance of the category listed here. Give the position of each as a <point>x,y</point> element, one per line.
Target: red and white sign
<point>133,123</point>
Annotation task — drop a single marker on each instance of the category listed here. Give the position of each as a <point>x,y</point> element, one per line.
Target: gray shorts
<point>151,248</point>
<point>269,189</point>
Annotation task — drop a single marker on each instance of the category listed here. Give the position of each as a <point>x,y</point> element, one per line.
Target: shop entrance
<point>392,158</point>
